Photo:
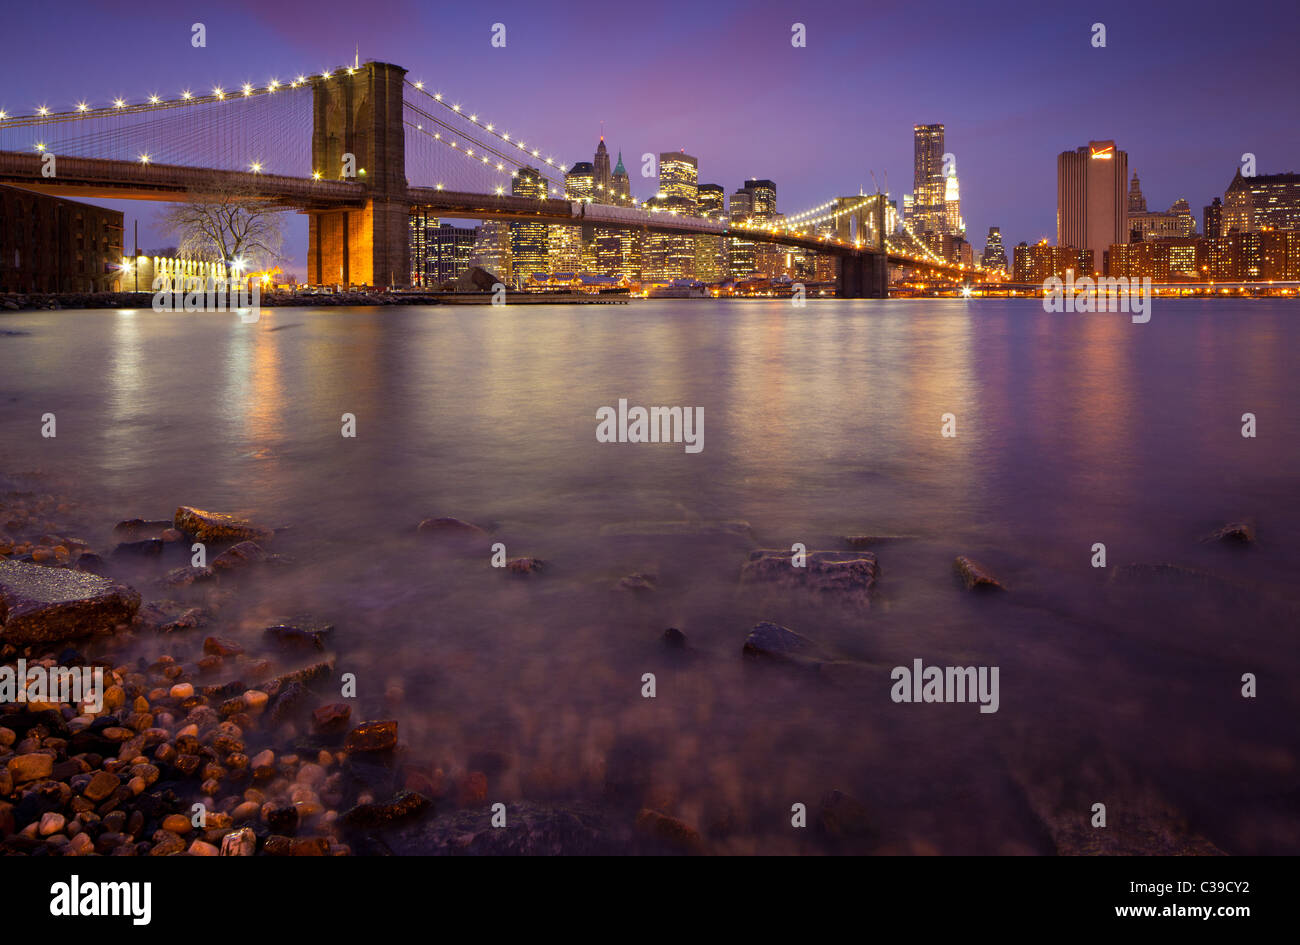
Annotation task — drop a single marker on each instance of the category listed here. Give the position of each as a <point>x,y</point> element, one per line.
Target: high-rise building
<point>581,179</point>
<point>602,177</point>
<point>1136,202</point>
<point>420,227</point>
<point>740,253</point>
<point>952,221</point>
<point>995,256</point>
<point>568,245</point>
<point>928,186</point>
<point>670,256</point>
<point>621,186</point>
<point>529,242</point>
<point>1265,202</point>
<point>492,249</point>
<point>452,247</point>
<point>710,251</point>
<point>1213,215</point>
<point>1091,203</point>
<point>1144,225</point>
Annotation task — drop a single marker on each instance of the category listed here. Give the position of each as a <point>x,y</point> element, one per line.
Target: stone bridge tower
<point>361,115</point>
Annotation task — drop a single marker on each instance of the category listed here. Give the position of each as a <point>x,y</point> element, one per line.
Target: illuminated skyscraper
<point>669,256</point>
<point>710,251</point>
<point>679,175</point>
<point>740,253</point>
<point>1264,202</point>
<point>928,215</point>
<point>492,249</point>
<point>995,257</point>
<point>1091,203</point>
<point>953,223</point>
<point>529,241</point>
<point>602,177</point>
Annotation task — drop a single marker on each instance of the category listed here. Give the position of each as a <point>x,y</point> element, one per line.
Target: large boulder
<point>49,605</point>
<point>218,526</point>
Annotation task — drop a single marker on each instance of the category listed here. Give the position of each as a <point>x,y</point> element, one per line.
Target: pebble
<point>51,823</point>
<point>181,691</point>
<point>176,823</point>
<point>202,848</point>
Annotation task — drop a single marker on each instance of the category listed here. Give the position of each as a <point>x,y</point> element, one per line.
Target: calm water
<point>819,422</point>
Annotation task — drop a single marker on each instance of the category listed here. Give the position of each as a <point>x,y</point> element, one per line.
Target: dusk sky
<point>1184,88</point>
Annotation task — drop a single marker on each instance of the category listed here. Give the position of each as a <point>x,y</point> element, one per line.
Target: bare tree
<point>225,224</point>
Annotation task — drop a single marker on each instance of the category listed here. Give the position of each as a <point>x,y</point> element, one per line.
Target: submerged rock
<point>842,817</point>
<point>218,526</point>
<point>677,834</point>
<point>187,575</point>
<point>146,548</point>
<point>373,736</point>
<point>525,565</point>
<point>49,605</point>
<point>640,583</point>
<point>239,556</point>
<point>772,641</point>
<point>849,576</point>
<point>405,805</point>
<point>975,576</point>
<point>1234,533</point>
<point>450,527</point>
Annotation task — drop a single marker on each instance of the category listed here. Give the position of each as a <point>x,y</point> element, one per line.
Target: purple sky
<point>1184,87</point>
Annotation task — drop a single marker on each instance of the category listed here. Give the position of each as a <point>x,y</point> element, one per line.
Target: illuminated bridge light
<point>351,71</point>
<point>506,137</point>
<point>273,85</point>
<point>144,159</point>
<point>439,187</point>
<point>489,127</point>
<point>119,103</point>
<point>315,175</point>
<point>248,88</point>
<point>500,191</point>
<point>154,100</point>
<point>255,167</point>
<point>325,74</point>
<point>3,114</point>
<point>473,117</point>
<point>420,86</point>
<point>218,92</point>
<point>437,96</point>
<point>40,145</point>
<point>42,110</point>
<point>187,95</point>
<point>455,108</point>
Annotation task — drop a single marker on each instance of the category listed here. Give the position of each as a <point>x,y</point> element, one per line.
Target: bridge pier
<point>361,115</point>
<point>863,276</point>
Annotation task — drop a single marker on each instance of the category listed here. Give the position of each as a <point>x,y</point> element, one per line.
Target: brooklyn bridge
<point>359,149</point>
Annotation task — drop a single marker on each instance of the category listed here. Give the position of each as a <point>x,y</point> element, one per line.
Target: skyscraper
<point>679,175</point>
<point>1091,203</point>
<point>1136,202</point>
<point>669,256</point>
<point>1268,201</point>
<point>740,253</point>
<point>1213,216</point>
<point>995,256</point>
<point>528,241</point>
<point>952,221</point>
<point>602,178</point>
<point>710,251</point>
<point>492,249</point>
<point>928,185</point>
<point>621,186</point>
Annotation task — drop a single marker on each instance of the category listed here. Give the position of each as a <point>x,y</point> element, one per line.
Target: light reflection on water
<point>820,422</point>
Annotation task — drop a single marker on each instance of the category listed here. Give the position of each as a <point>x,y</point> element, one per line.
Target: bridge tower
<point>864,274</point>
<point>361,115</point>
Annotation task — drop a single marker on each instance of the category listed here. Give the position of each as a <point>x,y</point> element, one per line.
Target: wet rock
<point>525,565</point>
<point>674,639</point>
<point>772,641</point>
<point>332,718</point>
<point>218,526</point>
<point>640,583</point>
<point>975,576</point>
<point>676,833</point>
<point>846,576</point>
<point>134,529</point>
<point>286,703</point>
<point>309,846</point>
<point>1234,533</point>
<point>294,638</point>
<point>239,556</point>
<point>101,786</point>
<point>239,843</point>
<point>405,805</point>
<point>187,575</point>
<point>373,736</point>
<point>304,676</point>
<point>283,819</point>
<point>147,548</point>
<point>450,527</point>
<point>50,605</point>
<point>166,843</point>
<point>218,646</point>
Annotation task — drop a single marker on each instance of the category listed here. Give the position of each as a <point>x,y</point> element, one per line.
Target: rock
<point>331,718</point>
<point>187,575</point>
<point>772,641</point>
<point>283,818</point>
<point>373,736</point>
<point>217,646</point>
<point>294,638</point>
<point>1235,533</point>
<point>51,823</point>
<point>50,605</point>
<point>181,691</point>
<point>217,526</point>
<point>676,833</point>
<point>309,846</point>
<point>848,576</point>
<point>843,817</point>
<point>166,843</point>
<point>525,565</point>
<point>239,843</point>
<point>975,576</point>
<point>405,805</point>
<point>638,583</point>
<point>239,556</point>
<point>674,639</point>
<point>35,766</point>
<point>450,527</point>
<point>176,823</point>
<point>148,548</point>
<point>203,848</point>
<point>100,786</point>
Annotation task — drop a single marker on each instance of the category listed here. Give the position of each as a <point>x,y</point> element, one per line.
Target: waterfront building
<point>1091,202</point>
<point>1264,202</point>
<point>48,244</point>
